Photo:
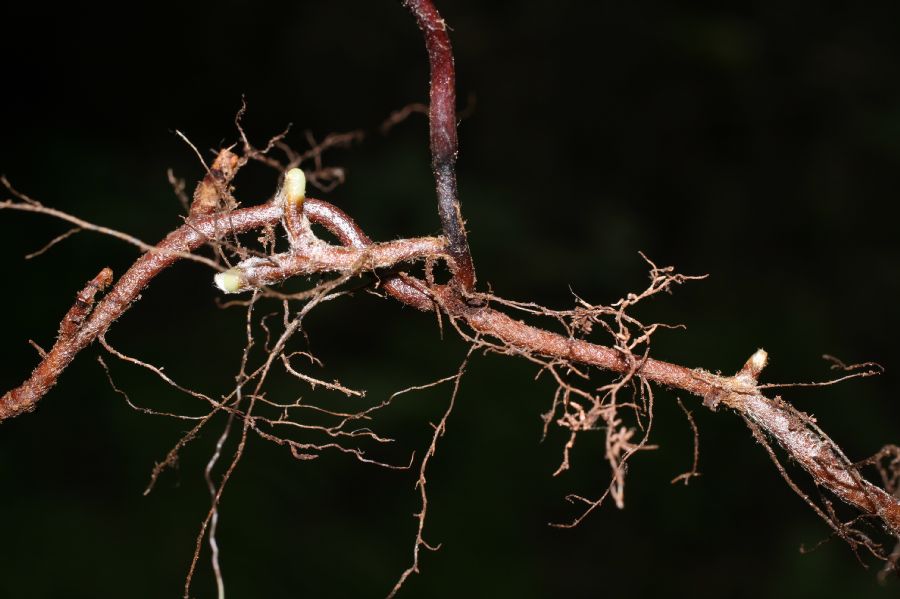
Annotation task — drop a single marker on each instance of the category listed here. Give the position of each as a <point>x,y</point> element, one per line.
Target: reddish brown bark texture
<point>817,454</point>
<point>795,433</point>
<point>807,445</point>
<point>348,232</point>
<point>810,447</point>
<point>187,238</point>
<point>184,239</point>
<point>270,270</point>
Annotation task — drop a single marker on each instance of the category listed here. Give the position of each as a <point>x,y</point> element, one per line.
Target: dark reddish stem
<point>444,145</point>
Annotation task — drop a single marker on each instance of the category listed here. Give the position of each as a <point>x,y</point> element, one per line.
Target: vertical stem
<point>444,145</point>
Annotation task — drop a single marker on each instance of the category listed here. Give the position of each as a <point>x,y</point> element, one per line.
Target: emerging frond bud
<point>755,364</point>
<point>295,186</point>
<point>230,281</point>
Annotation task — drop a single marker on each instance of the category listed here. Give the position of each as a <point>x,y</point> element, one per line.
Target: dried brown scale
<point>212,193</point>
<point>84,301</point>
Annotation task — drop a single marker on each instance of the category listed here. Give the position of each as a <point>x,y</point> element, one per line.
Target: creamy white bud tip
<point>229,281</point>
<point>295,185</point>
<point>759,360</point>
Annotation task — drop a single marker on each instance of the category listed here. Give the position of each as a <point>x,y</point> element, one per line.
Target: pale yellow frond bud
<point>229,281</point>
<point>295,186</point>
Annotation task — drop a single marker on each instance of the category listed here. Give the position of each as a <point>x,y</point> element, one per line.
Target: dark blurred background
<point>758,143</point>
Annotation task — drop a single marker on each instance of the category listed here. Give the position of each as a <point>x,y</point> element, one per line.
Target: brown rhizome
<point>594,404</point>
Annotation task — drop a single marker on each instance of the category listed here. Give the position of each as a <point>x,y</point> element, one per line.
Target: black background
<point>758,143</point>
